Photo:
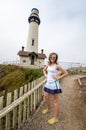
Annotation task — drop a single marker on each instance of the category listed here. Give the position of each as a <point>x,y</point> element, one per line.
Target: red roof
<point>27,54</point>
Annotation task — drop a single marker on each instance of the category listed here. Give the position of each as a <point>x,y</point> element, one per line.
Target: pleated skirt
<point>53,87</point>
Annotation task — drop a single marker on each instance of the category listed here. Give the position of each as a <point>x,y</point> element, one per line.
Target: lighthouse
<point>34,22</point>
<point>31,57</point>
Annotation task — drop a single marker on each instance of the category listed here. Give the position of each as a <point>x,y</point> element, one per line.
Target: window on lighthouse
<point>32,42</point>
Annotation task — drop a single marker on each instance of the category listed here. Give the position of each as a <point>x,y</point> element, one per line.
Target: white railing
<point>69,65</point>
<point>17,62</point>
<point>19,106</point>
<point>65,64</point>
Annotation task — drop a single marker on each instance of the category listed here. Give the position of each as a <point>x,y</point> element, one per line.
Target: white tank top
<point>51,71</point>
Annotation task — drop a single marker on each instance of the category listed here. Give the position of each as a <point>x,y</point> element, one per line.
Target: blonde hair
<point>53,53</point>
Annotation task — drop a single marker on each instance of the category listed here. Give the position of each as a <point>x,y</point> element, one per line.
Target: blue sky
<point>62,28</point>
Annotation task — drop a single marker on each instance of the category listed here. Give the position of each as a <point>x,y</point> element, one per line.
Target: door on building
<point>32,60</point>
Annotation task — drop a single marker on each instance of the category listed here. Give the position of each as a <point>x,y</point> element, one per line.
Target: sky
<point>62,29</point>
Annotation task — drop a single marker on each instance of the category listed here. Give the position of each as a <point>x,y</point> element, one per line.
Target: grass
<point>13,77</point>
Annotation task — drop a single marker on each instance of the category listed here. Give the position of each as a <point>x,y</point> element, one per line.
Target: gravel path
<point>72,109</point>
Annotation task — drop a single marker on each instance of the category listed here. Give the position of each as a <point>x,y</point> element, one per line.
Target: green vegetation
<point>13,77</point>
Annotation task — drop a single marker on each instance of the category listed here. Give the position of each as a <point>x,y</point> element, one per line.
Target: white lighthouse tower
<point>34,21</point>
<point>31,57</point>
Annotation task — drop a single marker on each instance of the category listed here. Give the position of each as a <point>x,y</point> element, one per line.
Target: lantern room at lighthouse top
<point>34,16</point>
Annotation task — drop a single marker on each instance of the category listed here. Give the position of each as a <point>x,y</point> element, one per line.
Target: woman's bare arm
<point>45,71</point>
<point>63,73</point>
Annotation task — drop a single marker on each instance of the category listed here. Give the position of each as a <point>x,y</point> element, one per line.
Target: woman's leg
<point>47,99</point>
<point>56,106</point>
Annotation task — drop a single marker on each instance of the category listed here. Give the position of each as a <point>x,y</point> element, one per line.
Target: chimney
<point>22,48</point>
<point>42,51</point>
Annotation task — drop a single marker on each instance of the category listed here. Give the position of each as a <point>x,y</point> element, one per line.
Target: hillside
<point>13,77</point>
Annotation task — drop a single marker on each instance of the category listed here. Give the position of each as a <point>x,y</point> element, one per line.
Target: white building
<point>31,57</point>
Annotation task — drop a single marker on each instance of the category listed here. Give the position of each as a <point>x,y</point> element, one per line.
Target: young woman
<point>52,85</point>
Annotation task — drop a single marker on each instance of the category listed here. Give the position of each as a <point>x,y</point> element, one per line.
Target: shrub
<point>15,77</point>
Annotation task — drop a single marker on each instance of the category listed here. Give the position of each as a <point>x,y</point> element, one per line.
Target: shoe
<point>53,121</point>
<point>45,111</point>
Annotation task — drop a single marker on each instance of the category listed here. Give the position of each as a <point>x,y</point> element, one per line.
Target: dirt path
<point>72,110</point>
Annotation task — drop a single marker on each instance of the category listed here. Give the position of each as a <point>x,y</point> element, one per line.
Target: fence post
<point>20,109</point>
<point>25,104</point>
<point>34,96</point>
<point>8,123</point>
<point>15,113</point>
<point>28,102</point>
<point>31,101</point>
<point>1,107</point>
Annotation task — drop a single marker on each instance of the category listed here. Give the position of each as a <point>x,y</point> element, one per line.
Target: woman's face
<point>53,58</point>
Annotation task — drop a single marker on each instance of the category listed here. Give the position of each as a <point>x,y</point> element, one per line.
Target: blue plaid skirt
<point>53,87</point>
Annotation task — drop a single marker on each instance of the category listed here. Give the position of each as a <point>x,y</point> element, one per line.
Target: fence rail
<point>20,105</point>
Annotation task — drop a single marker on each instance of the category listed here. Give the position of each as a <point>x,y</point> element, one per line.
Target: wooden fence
<point>20,105</point>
